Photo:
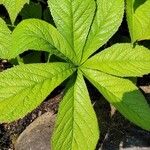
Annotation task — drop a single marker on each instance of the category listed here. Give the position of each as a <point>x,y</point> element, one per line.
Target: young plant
<point>83,26</point>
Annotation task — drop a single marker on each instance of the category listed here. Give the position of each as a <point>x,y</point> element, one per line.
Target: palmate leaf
<point>124,95</point>
<point>13,7</point>
<point>76,125</point>
<point>73,20</point>
<point>138,17</point>
<point>122,60</point>
<point>5,40</point>
<point>39,35</point>
<point>106,22</point>
<point>24,87</point>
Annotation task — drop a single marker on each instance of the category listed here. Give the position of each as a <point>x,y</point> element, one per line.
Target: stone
<point>38,134</point>
<point>146,89</point>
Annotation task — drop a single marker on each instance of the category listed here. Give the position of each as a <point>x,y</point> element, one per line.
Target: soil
<point>116,131</point>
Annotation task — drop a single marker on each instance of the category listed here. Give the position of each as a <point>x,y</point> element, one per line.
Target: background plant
<point>82,28</point>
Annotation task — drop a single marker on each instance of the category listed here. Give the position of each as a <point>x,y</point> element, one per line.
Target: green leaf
<point>39,35</point>
<point>76,125</point>
<point>106,22</point>
<point>124,95</point>
<point>129,15</point>
<point>24,87</point>
<point>138,17</point>
<point>5,39</point>
<point>13,7</point>
<point>122,60</point>
<point>73,20</point>
<point>32,10</point>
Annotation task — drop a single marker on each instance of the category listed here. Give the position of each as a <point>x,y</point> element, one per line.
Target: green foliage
<point>24,87</point>
<point>5,40</point>
<point>76,118</point>
<point>106,22</point>
<point>82,27</point>
<point>138,17</point>
<point>13,7</point>
<point>122,94</point>
<point>73,21</point>
<point>39,35</point>
<point>122,60</point>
